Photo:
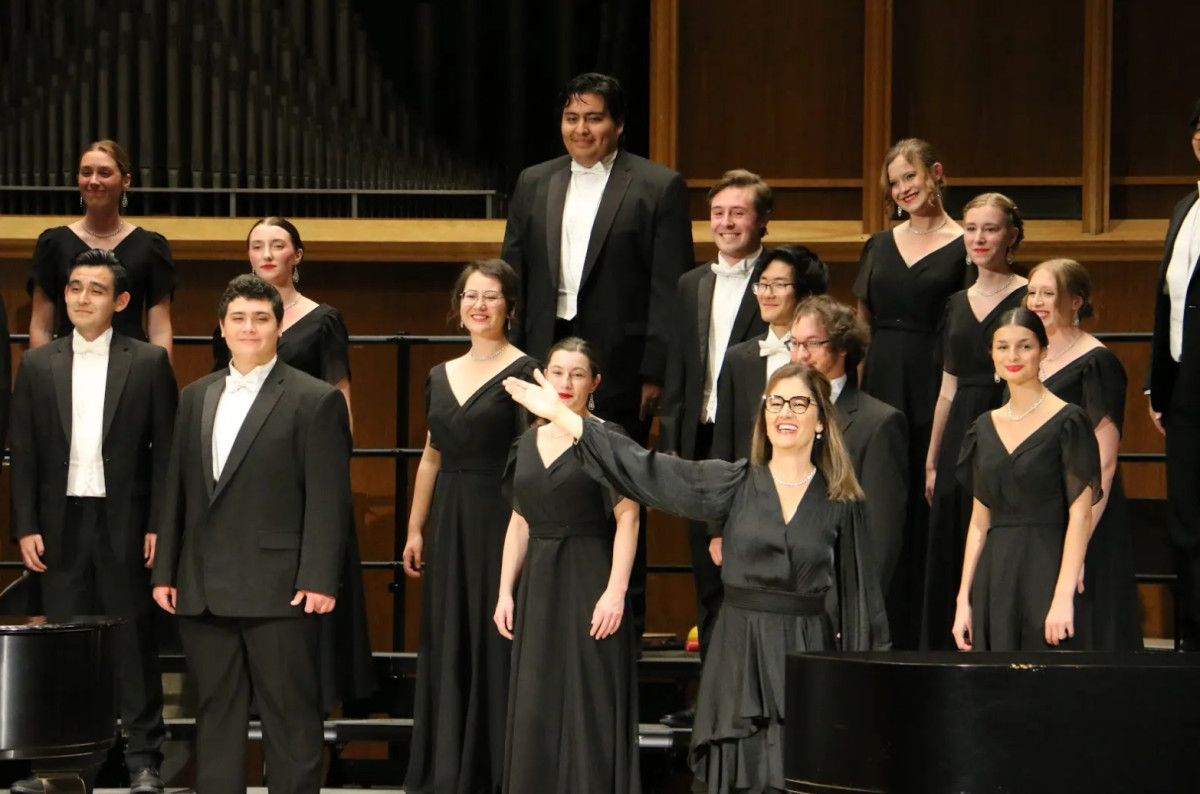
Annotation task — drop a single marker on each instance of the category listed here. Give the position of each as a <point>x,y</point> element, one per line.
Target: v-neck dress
<point>461,701</point>
<point>1029,493</point>
<point>318,343</point>
<point>968,358</point>
<point>1096,382</point>
<point>805,584</point>
<point>572,704</point>
<point>903,368</point>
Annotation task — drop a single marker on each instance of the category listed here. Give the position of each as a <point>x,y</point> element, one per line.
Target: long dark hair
<point>510,286</point>
<point>1026,319</point>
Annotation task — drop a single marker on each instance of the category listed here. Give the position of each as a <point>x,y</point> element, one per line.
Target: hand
<point>32,551</point>
<point>1079,584</point>
<point>714,550</point>
<point>962,627</point>
<point>930,479</point>
<point>540,399</point>
<point>1060,620</point>
<point>148,547</point>
<point>504,615</point>
<point>164,596</point>
<point>606,617</point>
<point>314,602</point>
<point>651,397</point>
<point>1156,418</point>
<point>412,555</point>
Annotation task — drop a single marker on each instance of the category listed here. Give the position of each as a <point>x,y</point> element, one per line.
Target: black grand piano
<point>992,723</point>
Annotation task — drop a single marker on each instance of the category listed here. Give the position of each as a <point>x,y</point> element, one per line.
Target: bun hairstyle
<point>1070,279</point>
<point>573,344</point>
<point>918,152</point>
<point>1012,216</point>
<point>113,150</point>
<point>1025,319</point>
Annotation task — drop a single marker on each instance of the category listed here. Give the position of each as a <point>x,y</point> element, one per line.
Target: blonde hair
<point>920,154</point>
<point>1071,279</point>
<point>831,457</point>
<point>1012,216</point>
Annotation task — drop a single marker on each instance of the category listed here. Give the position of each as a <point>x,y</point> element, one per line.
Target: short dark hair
<point>1195,121</point>
<point>510,286</point>
<point>252,288</point>
<point>810,276</point>
<point>98,257</point>
<point>607,88</point>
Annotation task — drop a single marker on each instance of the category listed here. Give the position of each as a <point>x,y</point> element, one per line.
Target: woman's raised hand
<point>540,399</point>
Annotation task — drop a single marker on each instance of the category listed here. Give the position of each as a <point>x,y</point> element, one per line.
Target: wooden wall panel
<point>773,87</point>
<point>995,87</point>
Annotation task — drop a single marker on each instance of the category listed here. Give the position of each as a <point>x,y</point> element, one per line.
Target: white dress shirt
<point>89,376</point>
<point>774,350</point>
<point>240,392</point>
<point>1179,273</point>
<point>835,388</point>
<point>733,279</point>
<point>579,216</point>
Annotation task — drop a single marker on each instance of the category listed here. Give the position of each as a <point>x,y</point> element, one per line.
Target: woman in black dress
<point>1079,369</point>
<point>993,230</point>
<point>104,177</point>
<point>463,662</point>
<point>1035,470</point>
<point>795,563</point>
<point>571,542</point>
<point>905,277</point>
<point>315,342</point>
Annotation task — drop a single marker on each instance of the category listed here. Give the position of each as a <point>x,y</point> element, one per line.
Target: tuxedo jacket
<point>1165,372</point>
<point>687,367</point>
<point>739,396</point>
<point>140,397</point>
<point>641,243</point>
<point>278,518</point>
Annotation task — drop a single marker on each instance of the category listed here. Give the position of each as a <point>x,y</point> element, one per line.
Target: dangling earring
<point>591,402</point>
<point>81,202</point>
<point>124,199</point>
<point>969,262</point>
<point>996,376</point>
<point>296,274</point>
<point>508,325</point>
<point>1009,258</point>
<point>460,324</point>
<point>1075,322</point>
<point>899,214</point>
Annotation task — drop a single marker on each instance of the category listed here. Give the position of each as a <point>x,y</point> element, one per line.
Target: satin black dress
<point>805,584</point>
<point>318,345</point>
<point>145,255</point>
<point>1029,493</point>
<point>903,368</point>
<point>572,703</point>
<point>967,357</point>
<point>463,670</point>
<point>1109,608</point>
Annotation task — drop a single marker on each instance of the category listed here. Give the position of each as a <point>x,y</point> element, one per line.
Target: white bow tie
<point>236,381</point>
<point>771,346</point>
<point>96,347</point>
<point>598,169</point>
<point>731,271</point>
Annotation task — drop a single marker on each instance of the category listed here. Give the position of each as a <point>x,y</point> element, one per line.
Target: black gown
<point>572,705</point>
<point>145,255</point>
<point>318,345</point>
<point>1029,493</point>
<point>463,667</point>
<point>807,584</point>
<point>1109,605</point>
<point>903,368</point>
<point>968,358</point>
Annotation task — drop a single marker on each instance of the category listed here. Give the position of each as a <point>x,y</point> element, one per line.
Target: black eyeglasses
<point>799,404</point>
<point>770,288</point>
<point>813,345</point>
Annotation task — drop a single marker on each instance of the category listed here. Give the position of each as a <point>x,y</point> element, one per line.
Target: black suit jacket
<point>277,520</point>
<point>687,366</point>
<point>140,397</point>
<point>739,396</point>
<point>1165,372</point>
<point>641,244</point>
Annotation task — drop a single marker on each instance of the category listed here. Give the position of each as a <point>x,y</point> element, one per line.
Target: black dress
<point>572,704</point>
<point>1029,493</point>
<point>903,368</point>
<point>318,345</point>
<point>968,358</point>
<point>1109,605</point>
<point>145,255</point>
<point>462,662</point>
<point>807,584</point>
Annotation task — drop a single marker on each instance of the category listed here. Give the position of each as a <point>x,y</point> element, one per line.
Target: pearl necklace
<point>1032,408</point>
<point>945,220</point>
<point>488,357</point>
<point>100,236</point>
<point>800,484</point>
<point>996,291</point>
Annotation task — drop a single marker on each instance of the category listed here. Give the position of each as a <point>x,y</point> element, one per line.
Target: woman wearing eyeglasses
<point>786,276</point>
<point>796,569</point>
<point>463,662</point>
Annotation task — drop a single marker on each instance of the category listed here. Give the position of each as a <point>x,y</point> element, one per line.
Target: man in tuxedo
<point>91,433</point>
<point>255,517</point>
<point>1174,390</point>
<point>600,238</point>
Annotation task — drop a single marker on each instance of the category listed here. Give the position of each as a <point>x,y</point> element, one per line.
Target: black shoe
<point>145,781</point>
<point>681,719</point>
<point>30,785</point>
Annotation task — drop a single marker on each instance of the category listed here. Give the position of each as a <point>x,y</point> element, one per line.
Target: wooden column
<point>664,81</point>
<point>1097,114</point>
<point>877,108</point>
